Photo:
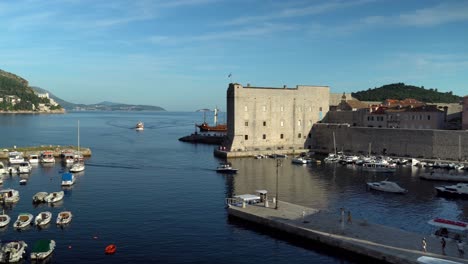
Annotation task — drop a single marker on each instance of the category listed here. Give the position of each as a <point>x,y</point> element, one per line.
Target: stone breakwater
<point>57,150</point>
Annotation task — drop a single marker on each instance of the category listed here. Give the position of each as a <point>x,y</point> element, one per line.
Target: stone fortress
<point>267,120</point>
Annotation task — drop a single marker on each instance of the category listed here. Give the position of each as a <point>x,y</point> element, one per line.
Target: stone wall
<point>430,144</point>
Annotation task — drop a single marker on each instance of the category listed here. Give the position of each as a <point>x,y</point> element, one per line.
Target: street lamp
<point>278,164</point>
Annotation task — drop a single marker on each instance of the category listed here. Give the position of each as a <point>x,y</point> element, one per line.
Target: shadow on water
<point>342,255</point>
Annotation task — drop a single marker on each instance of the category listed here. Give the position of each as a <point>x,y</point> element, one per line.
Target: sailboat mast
<point>215,116</point>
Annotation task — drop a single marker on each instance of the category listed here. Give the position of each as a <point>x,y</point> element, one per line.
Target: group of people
<point>349,218</point>
<point>443,242</point>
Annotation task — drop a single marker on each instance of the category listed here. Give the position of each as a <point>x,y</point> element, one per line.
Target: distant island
<point>402,91</point>
<point>16,96</point>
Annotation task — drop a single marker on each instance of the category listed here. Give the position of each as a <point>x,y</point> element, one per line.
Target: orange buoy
<point>110,249</point>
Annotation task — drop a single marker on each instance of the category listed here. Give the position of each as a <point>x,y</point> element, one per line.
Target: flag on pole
<point>230,74</point>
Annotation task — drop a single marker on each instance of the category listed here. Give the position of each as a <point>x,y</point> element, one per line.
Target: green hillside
<point>13,85</point>
<point>402,91</point>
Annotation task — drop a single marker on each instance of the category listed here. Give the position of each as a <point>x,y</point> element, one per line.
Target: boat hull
<point>452,194</point>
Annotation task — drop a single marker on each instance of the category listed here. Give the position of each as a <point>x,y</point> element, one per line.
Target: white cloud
<point>436,15</point>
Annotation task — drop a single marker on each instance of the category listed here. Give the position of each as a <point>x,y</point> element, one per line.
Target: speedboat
<point>39,197</point>
<point>64,217</point>
<point>47,157</point>
<point>33,159</point>
<point>68,157</point>
<point>226,168</point>
<point>140,126</point>
<point>9,196</point>
<point>386,186</point>
<point>42,249</point>
<point>459,190</point>
<point>12,251</point>
<point>15,157</point>
<point>68,179</point>
<point>23,181</point>
<point>24,167</point>
<point>23,220</point>
<point>77,167</point>
<point>4,219</point>
<point>54,197</point>
<point>43,218</point>
<point>299,160</point>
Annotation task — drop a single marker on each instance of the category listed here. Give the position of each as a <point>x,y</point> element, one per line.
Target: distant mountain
<point>402,91</point>
<point>102,106</point>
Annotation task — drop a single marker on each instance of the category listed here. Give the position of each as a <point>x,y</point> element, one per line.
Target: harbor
<point>56,150</point>
<point>358,236</point>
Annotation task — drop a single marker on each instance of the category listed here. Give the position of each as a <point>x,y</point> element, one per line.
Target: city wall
<point>416,143</point>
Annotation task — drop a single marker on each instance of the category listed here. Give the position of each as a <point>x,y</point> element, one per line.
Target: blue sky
<point>177,54</point>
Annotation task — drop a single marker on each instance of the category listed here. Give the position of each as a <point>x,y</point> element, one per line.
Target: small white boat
<point>12,251</point>
<point>140,126</point>
<point>386,186</point>
<point>24,167</point>
<point>4,219</point>
<point>458,190</point>
<point>15,157</point>
<point>39,197</point>
<point>43,218</point>
<point>3,169</point>
<point>23,181</point>
<point>68,157</point>
<point>77,167</point>
<point>47,157</point>
<point>226,168</point>
<point>33,159</point>
<point>299,160</point>
<point>54,197</point>
<point>9,196</point>
<point>64,217</point>
<point>42,249</point>
<point>23,220</point>
<point>68,179</point>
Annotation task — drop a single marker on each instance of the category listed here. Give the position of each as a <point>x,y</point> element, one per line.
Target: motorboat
<point>459,190</point>
<point>68,157</point>
<point>78,167</point>
<point>299,160</point>
<point>43,218</point>
<point>9,196</point>
<point>12,251</point>
<point>15,157</point>
<point>2,168</point>
<point>64,217</point>
<point>386,186</point>
<point>33,159</point>
<point>379,166</point>
<point>226,168</point>
<point>39,197</point>
<point>24,167</point>
<point>47,157</point>
<point>4,219</point>
<point>42,249</point>
<point>139,126</point>
<point>449,229</point>
<point>23,181</point>
<point>23,220</point>
<point>68,179</point>
<point>54,197</point>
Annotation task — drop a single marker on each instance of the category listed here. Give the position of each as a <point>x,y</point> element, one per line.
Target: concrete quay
<point>252,153</point>
<point>57,150</point>
<point>383,243</point>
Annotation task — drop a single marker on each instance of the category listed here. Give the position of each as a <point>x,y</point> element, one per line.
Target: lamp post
<point>278,164</point>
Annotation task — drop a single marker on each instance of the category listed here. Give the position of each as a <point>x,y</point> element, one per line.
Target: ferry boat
<point>140,126</point>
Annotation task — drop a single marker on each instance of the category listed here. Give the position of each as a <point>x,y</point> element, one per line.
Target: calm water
<point>160,200</point>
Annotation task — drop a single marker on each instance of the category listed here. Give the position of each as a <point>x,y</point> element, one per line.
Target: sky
<point>178,54</point>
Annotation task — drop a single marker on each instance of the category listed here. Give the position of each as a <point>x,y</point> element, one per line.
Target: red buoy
<point>110,249</point>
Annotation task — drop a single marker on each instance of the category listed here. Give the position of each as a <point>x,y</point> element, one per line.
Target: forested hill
<point>402,91</point>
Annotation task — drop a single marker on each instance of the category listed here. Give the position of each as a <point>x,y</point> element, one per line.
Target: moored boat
<point>4,219</point>
<point>54,197</point>
<point>33,159</point>
<point>64,217</point>
<point>9,196</point>
<point>444,176</point>
<point>379,167</point>
<point>47,157</point>
<point>42,249</point>
<point>15,157</point>
<point>450,229</point>
<point>2,168</point>
<point>39,197</point>
<point>78,167</point>
<point>24,167</point>
<point>23,220</point>
<point>12,251</point>
<point>68,179</point>
<point>299,160</point>
<point>43,218</point>
<point>140,126</point>
<point>386,186</point>
<point>226,168</point>
<point>458,190</point>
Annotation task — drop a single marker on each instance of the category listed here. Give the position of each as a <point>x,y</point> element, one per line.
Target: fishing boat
<point>68,179</point>
<point>9,196</point>
<point>226,168</point>
<point>42,249</point>
<point>64,217</point>
<point>23,220</point>
<point>386,186</point>
<point>39,197</point>
<point>43,218</point>
<point>205,127</point>
<point>458,190</point>
<point>4,219</point>
<point>12,251</point>
<point>54,197</point>
<point>140,126</point>
<point>47,157</point>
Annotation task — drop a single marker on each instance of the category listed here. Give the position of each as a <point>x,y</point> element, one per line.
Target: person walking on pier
<point>442,241</point>
<point>424,244</point>
<point>461,252</point>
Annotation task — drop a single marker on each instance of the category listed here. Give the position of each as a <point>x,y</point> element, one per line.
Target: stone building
<point>267,119</point>
<point>465,113</point>
<point>409,117</point>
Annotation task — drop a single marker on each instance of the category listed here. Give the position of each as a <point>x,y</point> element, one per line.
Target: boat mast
<point>216,116</point>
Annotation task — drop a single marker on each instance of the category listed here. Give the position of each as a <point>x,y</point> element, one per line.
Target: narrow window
<point>320,109</point>
<point>428,117</point>
<point>281,136</point>
<point>264,123</point>
<point>264,136</point>
<point>246,123</point>
<point>299,135</point>
<point>246,137</point>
